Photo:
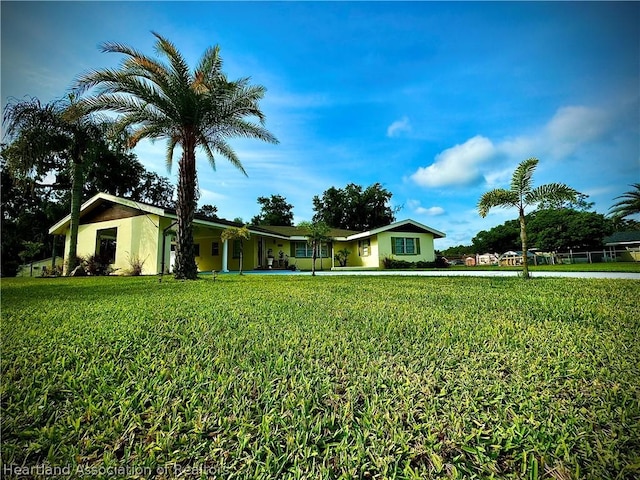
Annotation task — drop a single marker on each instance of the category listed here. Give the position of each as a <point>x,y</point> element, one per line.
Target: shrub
<point>79,262</point>
<point>135,265</point>
<point>390,263</point>
<point>341,256</point>
<point>56,271</point>
<point>422,264</point>
<point>97,265</point>
<point>395,264</point>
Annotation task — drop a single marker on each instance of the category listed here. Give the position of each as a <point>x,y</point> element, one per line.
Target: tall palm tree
<point>629,203</point>
<point>199,108</point>
<point>522,195</point>
<point>49,137</point>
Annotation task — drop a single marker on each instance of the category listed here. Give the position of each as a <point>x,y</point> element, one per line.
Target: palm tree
<point>629,203</point>
<point>237,233</point>
<point>317,234</point>
<point>201,108</point>
<point>48,137</point>
<point>522,195</point>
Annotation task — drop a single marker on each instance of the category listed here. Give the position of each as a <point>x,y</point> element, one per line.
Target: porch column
<point>225,256</point>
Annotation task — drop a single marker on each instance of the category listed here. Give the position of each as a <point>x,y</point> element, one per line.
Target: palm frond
<point>179,66</point>
<point>218,144</point>
<point>171,145</point>
<point>629,203</point>
<point>521,179</point>
<point>551,192</point>
<point>210,67</point>
<point>498,197</point>
<point>160,98</point>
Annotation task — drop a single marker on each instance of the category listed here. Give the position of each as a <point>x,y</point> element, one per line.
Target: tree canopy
<point>547,230</point>
<point>355,208</point>
<point>43,154</point>
<point>274,210</point>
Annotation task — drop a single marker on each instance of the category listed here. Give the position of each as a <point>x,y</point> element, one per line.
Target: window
<point>237,248</point>
<point>405,246</point>
<point>364,247</point>
<point>215,249</point>
<point>106,244</point>
<point>304,250</point>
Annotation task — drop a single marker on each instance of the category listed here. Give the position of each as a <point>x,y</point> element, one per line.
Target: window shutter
<point>417,246</point>
<point>393,245</point>
<point>292,249</point>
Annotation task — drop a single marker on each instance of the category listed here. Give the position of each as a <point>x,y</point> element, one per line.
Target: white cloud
<point>570,128</point>
<point>573,126</point>
<point>415,206</point>
<point>399,127</point>
<point>431,211</point>
<point>458,165</point>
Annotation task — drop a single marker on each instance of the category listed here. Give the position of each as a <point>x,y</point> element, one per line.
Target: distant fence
<point>551,258</point>
<point>600,256</point>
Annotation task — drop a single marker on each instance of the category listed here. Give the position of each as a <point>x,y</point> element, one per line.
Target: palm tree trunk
<point>523,238</point>
<point>313,259</point>
<point>76,198</point>
<point>185,267</point>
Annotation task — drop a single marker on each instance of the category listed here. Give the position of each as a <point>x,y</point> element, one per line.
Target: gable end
<point>109,211</point>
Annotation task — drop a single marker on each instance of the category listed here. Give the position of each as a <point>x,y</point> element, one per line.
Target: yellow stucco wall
<point>356,259</point>
<point>427,252</point>
<point>135,236</point>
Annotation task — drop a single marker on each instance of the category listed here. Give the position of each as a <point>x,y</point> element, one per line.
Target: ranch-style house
<point>120,229</point>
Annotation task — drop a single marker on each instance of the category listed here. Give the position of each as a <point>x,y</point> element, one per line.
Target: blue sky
<point>437,101</point>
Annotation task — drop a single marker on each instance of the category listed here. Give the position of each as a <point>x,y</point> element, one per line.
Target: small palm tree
<point>522,195</point>
<point>236,233</point>
<point>317,234</point>
<point>629,203</point>
<point>190,109</point>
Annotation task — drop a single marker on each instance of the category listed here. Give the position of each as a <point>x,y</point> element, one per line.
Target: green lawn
<point>322,377</point>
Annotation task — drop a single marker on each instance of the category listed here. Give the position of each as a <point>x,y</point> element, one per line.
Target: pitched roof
<point>283,232</point>
<point>621,238</point>
<point>301,232</point>
<point>101,198</point>
<point>400,226</point>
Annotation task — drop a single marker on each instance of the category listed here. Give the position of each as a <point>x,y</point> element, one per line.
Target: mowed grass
<point>325,377</point>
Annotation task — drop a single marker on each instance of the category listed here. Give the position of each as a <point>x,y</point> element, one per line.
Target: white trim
<point>100,197</point>
<point>375,231</point>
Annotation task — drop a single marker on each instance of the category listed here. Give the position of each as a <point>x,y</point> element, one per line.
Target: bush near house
<point>391,263</point>
<point>323,377</point>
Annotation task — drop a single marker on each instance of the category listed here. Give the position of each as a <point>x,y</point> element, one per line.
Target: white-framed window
<point>405,246</point>
<point>364,247</point>
<point>304,250</point>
